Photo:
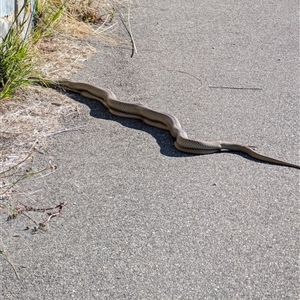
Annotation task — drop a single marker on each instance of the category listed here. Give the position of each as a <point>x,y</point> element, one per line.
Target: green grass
<point>15,63</point>
<point>17,66</point>
<point>46,16</point>
<point>15,60</point>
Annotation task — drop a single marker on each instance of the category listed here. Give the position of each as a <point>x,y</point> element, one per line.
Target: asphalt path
<point>144,221</point>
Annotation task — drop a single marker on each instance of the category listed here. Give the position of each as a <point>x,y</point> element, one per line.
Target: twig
<point>187,73</point>
<point>235,88</point>
<point>63,130</point>
<point>129,31</point>
<point>45,224</point>
<point>31,208</point>
<point>52,215</point>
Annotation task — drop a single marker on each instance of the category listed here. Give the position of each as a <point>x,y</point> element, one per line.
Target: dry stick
<point>31,208</point>
<point>63,130</point>
<point>235,88</point>
<point>50,214</point>
<point>129,31</point>
<point>184,72</point>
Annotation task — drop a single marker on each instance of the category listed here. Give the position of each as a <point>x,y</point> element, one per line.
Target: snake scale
<point>159,120</point>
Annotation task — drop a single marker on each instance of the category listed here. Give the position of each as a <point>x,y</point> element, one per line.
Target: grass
<point>15,63</point>
<point>46,16</point>
<point>17,66</point>
<point>15,59</point>
<point>25,124</point>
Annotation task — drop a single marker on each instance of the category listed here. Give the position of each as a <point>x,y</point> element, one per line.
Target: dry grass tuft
<point>25,123</point>
<point>55,63</point>
<point>83,18</point>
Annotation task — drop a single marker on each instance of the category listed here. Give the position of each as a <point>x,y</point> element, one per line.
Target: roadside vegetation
<point>21,45</point>
<point>54,48</point>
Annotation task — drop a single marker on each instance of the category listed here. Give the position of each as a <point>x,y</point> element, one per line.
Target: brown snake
<point>160,120</point>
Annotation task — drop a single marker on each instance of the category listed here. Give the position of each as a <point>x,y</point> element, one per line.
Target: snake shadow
<point>163,137</point>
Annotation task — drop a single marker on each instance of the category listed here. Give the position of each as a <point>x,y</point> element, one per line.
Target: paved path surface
<point>144,221</point>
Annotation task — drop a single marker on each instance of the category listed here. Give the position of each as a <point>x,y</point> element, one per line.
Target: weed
<point>15,58</point>
<point>46,16</point>
<point>16,52</point>
<point>17,67</point>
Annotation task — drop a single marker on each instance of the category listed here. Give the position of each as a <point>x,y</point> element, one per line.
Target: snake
<point>160,120</point>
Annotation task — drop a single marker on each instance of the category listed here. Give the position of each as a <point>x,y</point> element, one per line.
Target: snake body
<point>160,120</point>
